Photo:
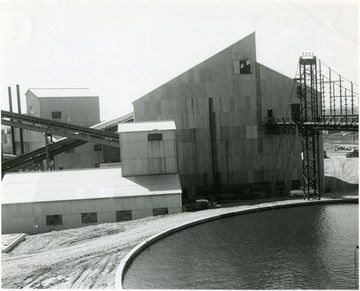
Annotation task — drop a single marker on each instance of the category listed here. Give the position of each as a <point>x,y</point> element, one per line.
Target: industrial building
<point>219,107</point>
<point>200,135</point>
<point>55,200</point>
<point>77,106</point>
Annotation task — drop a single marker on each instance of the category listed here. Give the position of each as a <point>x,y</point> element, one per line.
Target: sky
<point>122,50</point>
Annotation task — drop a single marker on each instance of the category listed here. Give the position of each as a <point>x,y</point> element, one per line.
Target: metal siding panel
<point>171,165</point>
<point>106,217</point>
<point>137,214</point>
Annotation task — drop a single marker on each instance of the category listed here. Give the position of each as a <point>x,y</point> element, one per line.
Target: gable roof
<point>114,122</point>
<point>83,184</point>
<point>245,48</point>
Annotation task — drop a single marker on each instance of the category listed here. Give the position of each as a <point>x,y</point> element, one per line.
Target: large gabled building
<point>219,107</point>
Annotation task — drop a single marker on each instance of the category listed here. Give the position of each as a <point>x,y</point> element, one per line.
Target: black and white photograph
<point>186,144</point>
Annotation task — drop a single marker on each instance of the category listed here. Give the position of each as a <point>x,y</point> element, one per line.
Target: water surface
<point>308,247</point>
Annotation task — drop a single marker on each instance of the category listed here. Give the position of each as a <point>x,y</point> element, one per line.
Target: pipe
<point>19,109</point>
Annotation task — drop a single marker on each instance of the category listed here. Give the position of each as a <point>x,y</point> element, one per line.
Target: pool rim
<point>130,256</point>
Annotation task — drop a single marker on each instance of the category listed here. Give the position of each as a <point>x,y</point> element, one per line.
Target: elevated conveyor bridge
<point>327,101</point>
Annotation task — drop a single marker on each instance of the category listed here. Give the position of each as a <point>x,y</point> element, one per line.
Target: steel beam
<point>59,128</point>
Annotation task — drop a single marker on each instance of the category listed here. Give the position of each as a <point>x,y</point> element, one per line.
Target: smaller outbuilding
<point>146,184</point>
<point>43,201</point>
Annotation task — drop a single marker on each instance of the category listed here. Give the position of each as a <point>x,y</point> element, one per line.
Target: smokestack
<point>19,109</point>
<point>12,128</point>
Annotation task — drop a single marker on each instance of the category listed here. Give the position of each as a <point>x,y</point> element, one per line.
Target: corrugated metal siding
<point>81,109</point>
<point>218,116</point>
<point>84,111</point>
<point>139,156</point>
<point>31,217</point>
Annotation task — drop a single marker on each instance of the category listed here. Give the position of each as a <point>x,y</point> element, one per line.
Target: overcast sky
<point>122,50</point>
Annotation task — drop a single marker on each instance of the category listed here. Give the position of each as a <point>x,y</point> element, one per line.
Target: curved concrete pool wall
<point>126,261</point>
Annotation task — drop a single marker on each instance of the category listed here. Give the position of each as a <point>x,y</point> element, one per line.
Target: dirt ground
<point>88,257</point>
<point>337,165</point>
<point>85,257</point>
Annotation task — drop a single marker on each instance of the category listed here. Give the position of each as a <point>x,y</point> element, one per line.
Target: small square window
<point>89,217</point>
<point>245,67</point>
<point>97,147</point>
<point>54,219</point>
<point>154,136</point>
<point>123,215</point>
<point>160,211</point>
<point>56,114</point>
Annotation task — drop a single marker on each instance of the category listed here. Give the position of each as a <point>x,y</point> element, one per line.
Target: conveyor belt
<point>284,125</point>
<point>59,128</point>
<point>57,147</point>
<point>39,154</point>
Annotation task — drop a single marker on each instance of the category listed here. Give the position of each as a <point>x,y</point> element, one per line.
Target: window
<point>54,219</point>
<point>89,217</point>
<point>245,67</point>
<point>97,147</point>
<point>160,211</point>
<point>56,114</point>
<point>154,136</point>
<point>123,215</point>
<point>70,151</point>
<point>31,110</point>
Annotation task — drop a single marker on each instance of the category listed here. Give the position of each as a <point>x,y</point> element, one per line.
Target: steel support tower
<point>310,111</point>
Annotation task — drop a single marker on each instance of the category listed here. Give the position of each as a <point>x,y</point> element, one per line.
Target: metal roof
<point>82,184</point>
<point>62,92</point>
<point>110,123</point>
<point>146,126</point>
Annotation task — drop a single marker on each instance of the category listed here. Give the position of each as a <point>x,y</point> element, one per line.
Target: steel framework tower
<point>310,112</point>
<point>327,101</point>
